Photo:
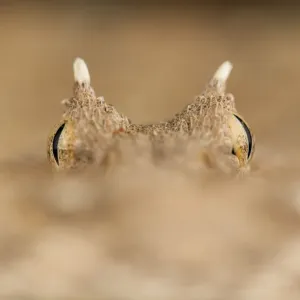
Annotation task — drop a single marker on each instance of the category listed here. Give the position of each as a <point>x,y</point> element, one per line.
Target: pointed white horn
<point>81,72</point>
<point>223,72</point>
<point>219,79</point>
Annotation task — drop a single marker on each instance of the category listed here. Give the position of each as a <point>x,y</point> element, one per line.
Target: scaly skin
<point>91,126</point>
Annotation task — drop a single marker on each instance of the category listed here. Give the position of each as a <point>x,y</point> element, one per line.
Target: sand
<point>149,231</point>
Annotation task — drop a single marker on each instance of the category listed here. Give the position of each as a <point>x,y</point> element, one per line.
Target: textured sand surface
<point>148,231</point>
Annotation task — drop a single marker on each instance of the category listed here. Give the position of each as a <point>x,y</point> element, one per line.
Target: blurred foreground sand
<point>147,231</point>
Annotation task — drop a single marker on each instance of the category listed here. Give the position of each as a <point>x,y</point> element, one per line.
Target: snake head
<point>86,121</point>
<point>241,135</point>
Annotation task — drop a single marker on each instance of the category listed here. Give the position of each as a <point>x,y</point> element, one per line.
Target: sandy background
<point>198,238</point>
<point>149,63</point>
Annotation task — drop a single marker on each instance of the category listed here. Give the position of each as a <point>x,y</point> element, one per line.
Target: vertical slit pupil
<point>55,142</point>
<point>248,133</point>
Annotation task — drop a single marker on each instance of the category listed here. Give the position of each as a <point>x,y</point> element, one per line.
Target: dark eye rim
<point>248,133</point>
<point>55,142</point>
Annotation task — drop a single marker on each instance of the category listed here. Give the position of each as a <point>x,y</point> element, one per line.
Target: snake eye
<point>60,145</point>
<point>242,138</point>
<point>55,142</point>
